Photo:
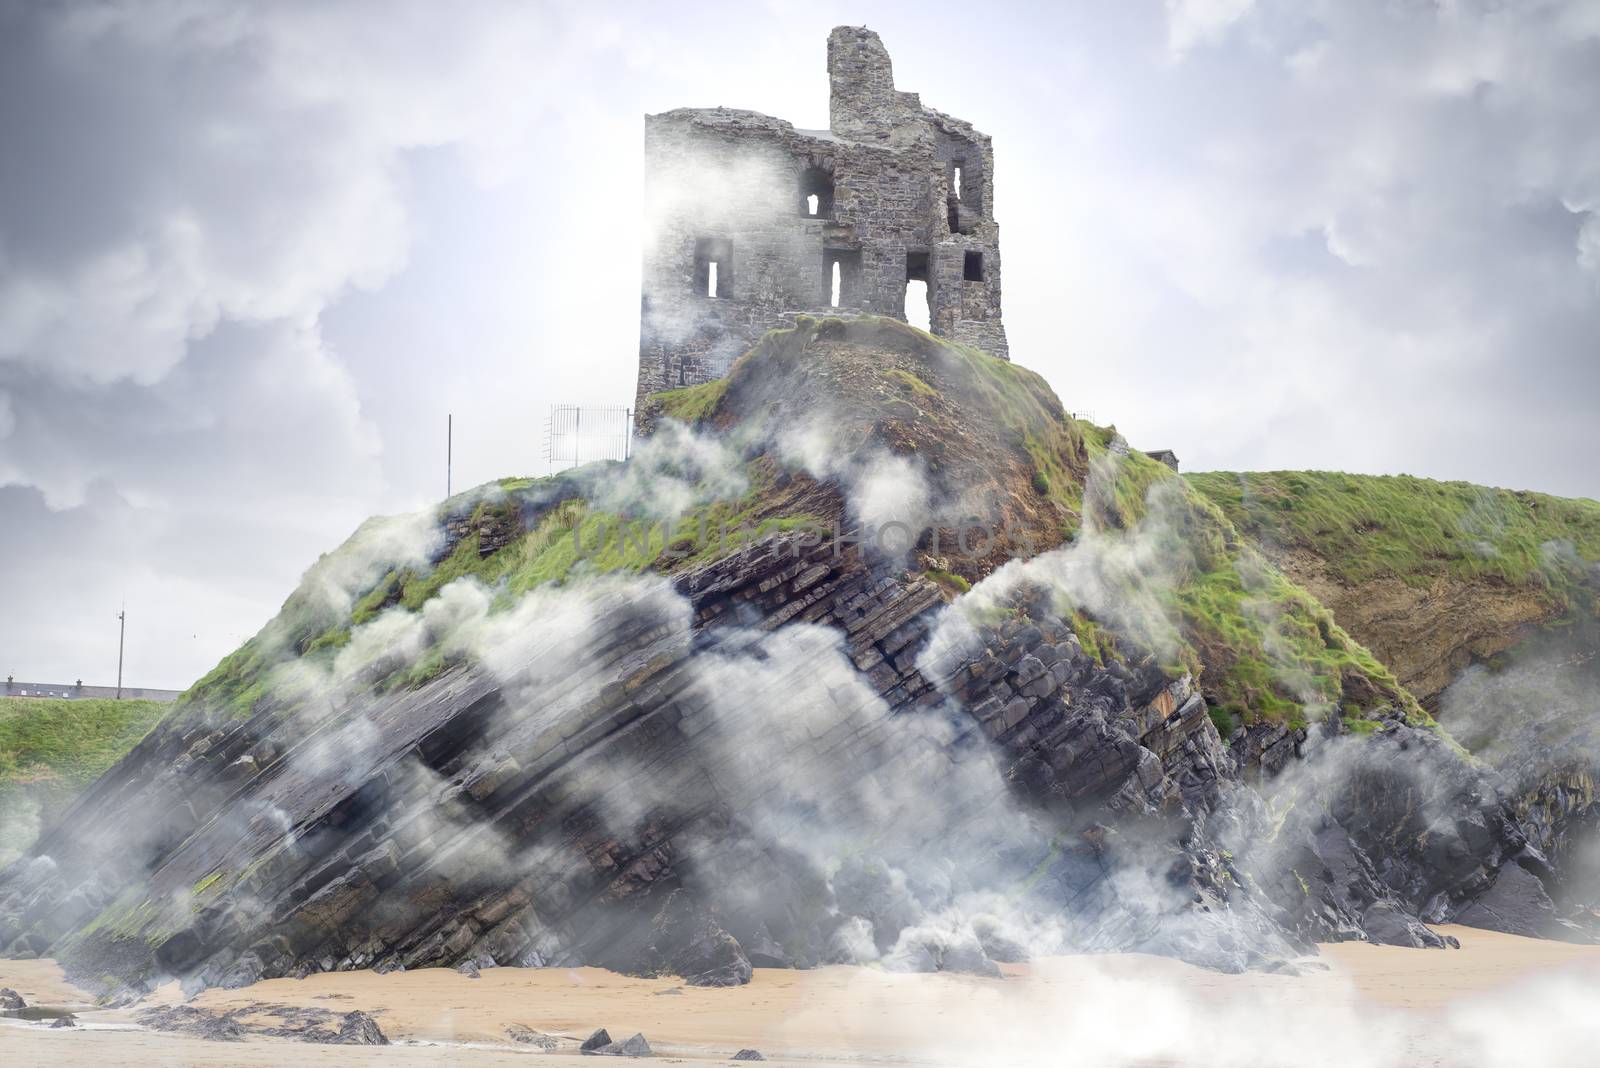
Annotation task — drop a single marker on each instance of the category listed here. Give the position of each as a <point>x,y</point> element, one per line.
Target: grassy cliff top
<point>51,749</point>
<point>68,742</point>
<point>1414,529</point>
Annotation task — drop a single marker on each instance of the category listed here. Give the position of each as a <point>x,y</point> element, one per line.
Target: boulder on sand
<point>359,1029</point>
<point>633,1047</point>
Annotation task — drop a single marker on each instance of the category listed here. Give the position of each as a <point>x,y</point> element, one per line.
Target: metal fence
<point>576,435</point>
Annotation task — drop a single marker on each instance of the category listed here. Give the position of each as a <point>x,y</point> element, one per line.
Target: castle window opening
<point>841,277</point>
<point>917,309</point>
<point>713,267</point>
<point>816,193</point>
<point>972,267</point>
<point>917,312</point>
<point>955,178</point>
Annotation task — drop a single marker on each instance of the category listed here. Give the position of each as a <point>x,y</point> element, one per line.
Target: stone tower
<point>750,221</point>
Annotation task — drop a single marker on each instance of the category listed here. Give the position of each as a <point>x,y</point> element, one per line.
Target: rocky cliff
<point>869,653</point>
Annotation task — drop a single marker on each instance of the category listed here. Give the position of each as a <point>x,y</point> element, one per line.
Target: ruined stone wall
<point>730,186</point>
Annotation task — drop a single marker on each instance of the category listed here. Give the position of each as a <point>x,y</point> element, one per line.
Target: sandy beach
<point>1364,1005</point>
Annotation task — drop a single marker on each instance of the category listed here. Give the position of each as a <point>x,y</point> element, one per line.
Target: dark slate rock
<point>359,1029</point>
<point>188,1020</point>
<point>1518,904</point>
<point>631,1047</point>
<point>600,1038</point>
<point>1388,924</point>
<point>527,1036</point>
<point>748,1055</point>
<point>689,942</point>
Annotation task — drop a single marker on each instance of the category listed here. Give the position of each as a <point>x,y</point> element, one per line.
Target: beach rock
<point>595,1041</point>
<point>763,951</point>
<point>359,1029</point>
<point>188,1020</point>
<point>1517,903</point>
<point>635,1046</point>
<point>527,1036</point>
<point>689,942</point>
<point>1387,924</point>
<point>64,1021</point>
<point>10,999</point>
<point>748,1055</point>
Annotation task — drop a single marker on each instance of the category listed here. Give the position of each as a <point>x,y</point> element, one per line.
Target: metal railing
<point>574,435</point>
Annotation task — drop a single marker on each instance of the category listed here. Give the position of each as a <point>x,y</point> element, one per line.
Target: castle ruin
<point>750,222</point>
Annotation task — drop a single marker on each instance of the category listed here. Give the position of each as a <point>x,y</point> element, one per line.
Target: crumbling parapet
<point>750,221</point>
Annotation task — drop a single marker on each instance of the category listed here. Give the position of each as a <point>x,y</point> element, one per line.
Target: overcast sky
<point>250,254</point>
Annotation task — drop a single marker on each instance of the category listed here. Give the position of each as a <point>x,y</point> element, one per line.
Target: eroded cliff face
<point>1428,633</point>
<point>1433,577</point>
<point>811,747</point>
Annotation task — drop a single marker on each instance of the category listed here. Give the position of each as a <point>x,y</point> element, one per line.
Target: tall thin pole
<point>449,450</point>
<point>122,633</point>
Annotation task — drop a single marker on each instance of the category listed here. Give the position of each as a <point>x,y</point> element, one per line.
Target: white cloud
<point>1196,22</point>
<point>1331,211</point>
<point>270,182</point>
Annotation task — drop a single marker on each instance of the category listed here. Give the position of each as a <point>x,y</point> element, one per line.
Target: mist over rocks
<point>464,742</point>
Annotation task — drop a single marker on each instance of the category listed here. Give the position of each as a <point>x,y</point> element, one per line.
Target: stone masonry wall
<point>731,185</point>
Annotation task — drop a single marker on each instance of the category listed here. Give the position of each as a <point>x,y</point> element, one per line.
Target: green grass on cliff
<point>691,404</point>
<point>51,749</point>
<point>1264,649</point>
<point>568,539</point>
<point>68,742</point>
<point>1413,529</point>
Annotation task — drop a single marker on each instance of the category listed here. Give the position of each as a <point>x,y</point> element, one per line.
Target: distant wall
<point>76,691</point>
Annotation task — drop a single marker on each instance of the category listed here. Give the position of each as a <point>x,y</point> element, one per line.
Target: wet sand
<point>1359,1005</point>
